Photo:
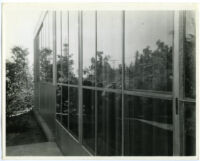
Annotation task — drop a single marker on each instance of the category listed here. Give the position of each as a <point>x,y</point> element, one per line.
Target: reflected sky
<point>109,35</point>
<point>73,39</point>
<point>88,37</point>
<point>64,32</point>
<point>58,33</point>
<point>144,28</point>
<point>190,21</point>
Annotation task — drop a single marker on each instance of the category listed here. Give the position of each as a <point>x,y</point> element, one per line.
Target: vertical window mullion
<point>54,57</point>
<point>95,83</point>
<point>123,65</point>
<point>80,75</point>
<point>61,63</point>
<point>177,49</point>
<point>54,48</point>
<point>68,64</point>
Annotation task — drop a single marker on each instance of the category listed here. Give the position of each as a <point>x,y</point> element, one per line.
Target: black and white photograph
<point>99,80</point>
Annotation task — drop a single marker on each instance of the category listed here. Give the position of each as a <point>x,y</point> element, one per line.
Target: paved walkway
<point>37,149</point>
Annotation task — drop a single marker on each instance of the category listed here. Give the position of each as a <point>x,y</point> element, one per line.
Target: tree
<point>65,65</point>
<point>152,69</point>
<point>107,75</point>
<point>19,91</point>
<point>46,65</point>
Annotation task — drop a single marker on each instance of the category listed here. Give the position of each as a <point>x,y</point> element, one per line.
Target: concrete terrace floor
<point>35,140</point>
<point>36,149</point>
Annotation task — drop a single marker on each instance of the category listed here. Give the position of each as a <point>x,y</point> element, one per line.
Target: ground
<point>23,129</point>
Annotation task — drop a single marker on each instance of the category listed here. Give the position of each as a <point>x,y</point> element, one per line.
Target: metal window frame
<point>95,85</point>
<point>123,68</point>
<point>183,99</point>
<point>54,60</point>
<point>42,31</point>
<point>80,53</point>
<point>177,81</point>
<point>176,51</point>
<point>140,93</point>
<point>68,56</point>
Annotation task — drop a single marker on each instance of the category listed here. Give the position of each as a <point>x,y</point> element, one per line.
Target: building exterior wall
<point>67,144</point>
<point>47,102</point>
<point>113,83</point>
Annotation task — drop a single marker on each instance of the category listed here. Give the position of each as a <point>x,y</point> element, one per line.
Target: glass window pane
<point>50,41</point>
<point>51,30</point>
<point>89,48</point>
<point>148,50</point>
<point>46,30</point>
<point>148,126</point>
<point>65,105</point>
<point>58,117</point>
<point>58,48</point>
<point>109,123</point>
<point>109,49</point>
<point>58,99</point>
<point>42,35</point>
<point>73,47</point>
<point>73,110</point>
<point>50,55</point>
<point>190,52</point>
<point>40,40</point>
<point>46,54</point>
<point>89,119</point>
<point>190,129</point>
<point>65,46</point>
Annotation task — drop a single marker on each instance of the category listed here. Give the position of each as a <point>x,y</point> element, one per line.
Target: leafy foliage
<point>190,66</point>
<point>65,67</point>
<point>151,69</point>
<point>19,87</point>
<point>46,65</point>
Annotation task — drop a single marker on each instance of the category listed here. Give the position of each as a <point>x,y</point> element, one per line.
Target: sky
<point>19,30</point>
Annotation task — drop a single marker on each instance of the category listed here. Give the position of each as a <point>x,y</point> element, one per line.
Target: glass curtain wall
<point>125,90</point>
<point>46,49</point>
<point>67,69</point>
<point>148,67</point>
<point>88,78</point>
<point>189,84</point>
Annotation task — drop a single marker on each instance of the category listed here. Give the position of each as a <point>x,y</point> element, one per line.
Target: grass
<point>23,129</point>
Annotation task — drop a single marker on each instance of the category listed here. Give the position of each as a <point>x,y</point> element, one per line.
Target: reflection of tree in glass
<point>59,69</point>
<point>65,64</point>
<point>88,73</point>
<point>46,65</point>
<point>151,69</point>
<point>68,63</point>
<point>58,99</point>
<point>106,75</point>
<point>189,66</point>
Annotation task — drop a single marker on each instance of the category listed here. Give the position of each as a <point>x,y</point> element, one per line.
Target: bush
<point>19,85</point>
